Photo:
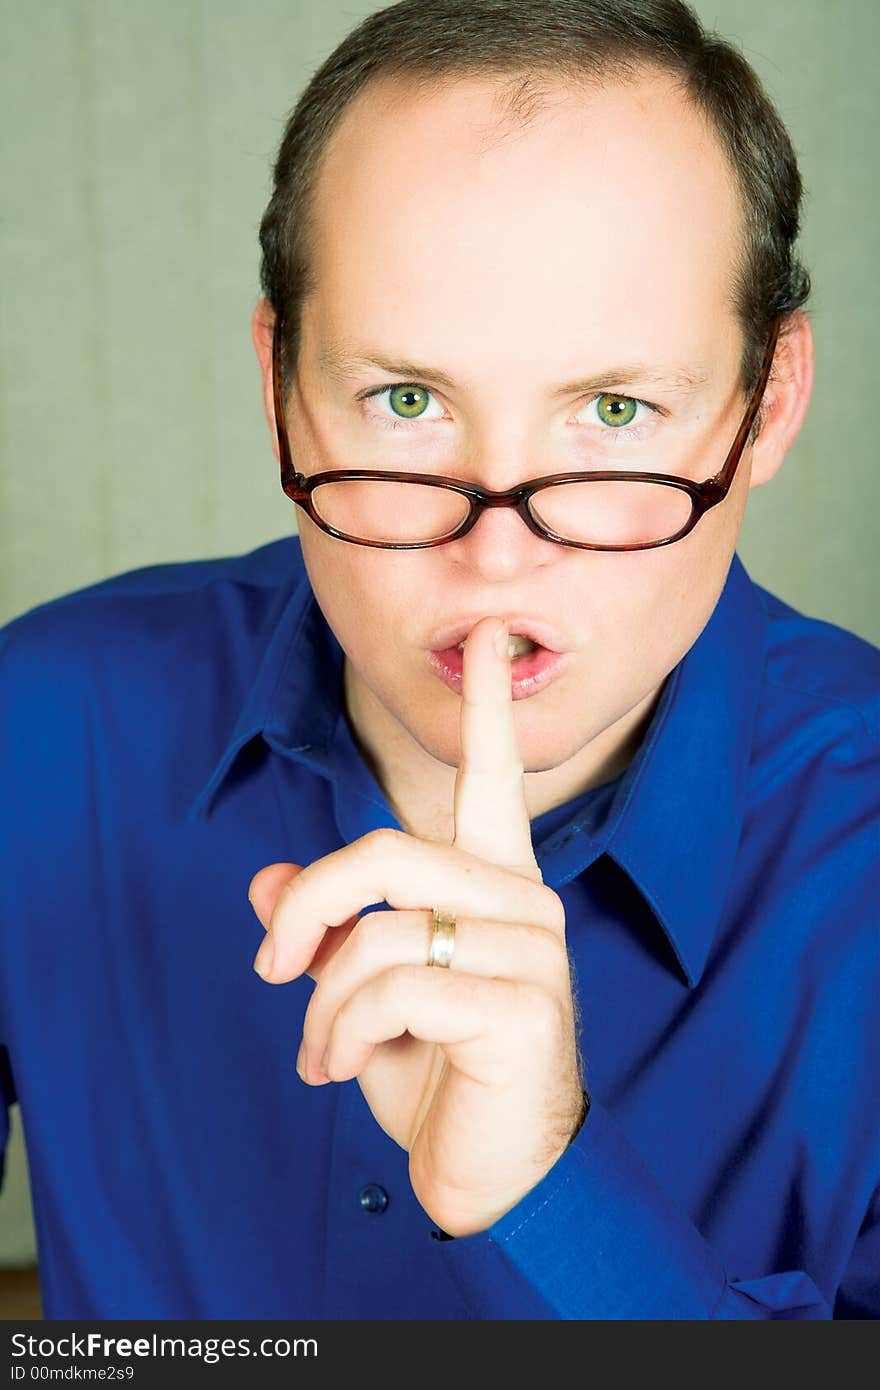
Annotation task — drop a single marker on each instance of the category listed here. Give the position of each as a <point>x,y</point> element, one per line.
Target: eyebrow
<point>341,365</point>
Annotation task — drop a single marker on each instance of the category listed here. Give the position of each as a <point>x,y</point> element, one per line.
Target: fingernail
<point>263,958</point>
<point>501,640</point>
<point>301,1061</point>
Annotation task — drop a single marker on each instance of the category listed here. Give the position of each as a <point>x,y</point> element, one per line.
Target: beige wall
<point>136,144</point>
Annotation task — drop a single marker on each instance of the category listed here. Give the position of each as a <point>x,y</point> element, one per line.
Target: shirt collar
<point>676,822</point>
<point>295,698</point>
<point>674,819</point>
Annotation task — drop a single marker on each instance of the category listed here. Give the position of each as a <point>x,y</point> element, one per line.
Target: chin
<point>541,744</point>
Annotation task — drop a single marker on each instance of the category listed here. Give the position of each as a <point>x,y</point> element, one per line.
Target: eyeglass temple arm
<point>280,430</point>
<point>720,484</point>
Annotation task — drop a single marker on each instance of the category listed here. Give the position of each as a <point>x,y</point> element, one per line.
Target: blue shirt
<point>166,733</point>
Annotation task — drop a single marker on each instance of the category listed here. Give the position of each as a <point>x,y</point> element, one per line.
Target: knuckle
<point>385,838</point>
<point>555,909</point>
<point>528,870</point>
<point>541,1012</point>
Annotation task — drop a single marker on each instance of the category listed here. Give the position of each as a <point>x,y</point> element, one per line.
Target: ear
<point>262,326</point>
<point>785,402</point>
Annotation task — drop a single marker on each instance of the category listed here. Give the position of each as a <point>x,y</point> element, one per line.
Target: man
<point>571,936</point>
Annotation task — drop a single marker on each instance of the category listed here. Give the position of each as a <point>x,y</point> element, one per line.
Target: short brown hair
<point>529,46</point>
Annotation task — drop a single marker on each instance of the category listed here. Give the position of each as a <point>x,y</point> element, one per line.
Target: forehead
<point>612,211</point>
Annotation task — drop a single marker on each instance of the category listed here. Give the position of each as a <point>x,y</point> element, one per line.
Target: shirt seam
<point>551,1196</point>
<point>95,593</point>
<point>822,697</point>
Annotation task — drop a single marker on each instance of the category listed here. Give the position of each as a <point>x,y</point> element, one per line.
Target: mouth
<point>518,646</point>
<point>533,663</point>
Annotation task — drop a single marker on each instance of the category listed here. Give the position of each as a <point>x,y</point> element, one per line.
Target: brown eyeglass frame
<point>703,495</point>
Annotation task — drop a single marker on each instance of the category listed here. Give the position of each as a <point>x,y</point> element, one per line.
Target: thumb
<point>265,887</point>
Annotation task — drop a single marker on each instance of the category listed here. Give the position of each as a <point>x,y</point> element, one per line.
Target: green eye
<point>616,410</point>
<point>407,401</point>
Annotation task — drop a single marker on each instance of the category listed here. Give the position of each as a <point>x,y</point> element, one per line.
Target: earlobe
<point>786,400</point>
<point>262,326</point>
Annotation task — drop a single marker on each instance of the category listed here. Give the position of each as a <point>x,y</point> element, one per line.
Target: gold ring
<point>442,940</point>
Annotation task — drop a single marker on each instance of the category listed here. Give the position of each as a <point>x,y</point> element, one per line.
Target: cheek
<point>362,593</point>
<point>647,608</point>
<point>685,585</point>
<point>618,621</point>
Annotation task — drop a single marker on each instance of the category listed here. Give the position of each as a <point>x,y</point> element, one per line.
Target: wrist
<point>437,1233</point>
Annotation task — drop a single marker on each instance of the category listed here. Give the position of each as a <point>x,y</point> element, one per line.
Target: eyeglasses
<point>596,510</point>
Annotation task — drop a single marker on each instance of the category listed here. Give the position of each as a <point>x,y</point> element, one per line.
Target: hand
<point>473,1069</point>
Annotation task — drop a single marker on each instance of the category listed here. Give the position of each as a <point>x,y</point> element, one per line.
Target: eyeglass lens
<point>590,512</point>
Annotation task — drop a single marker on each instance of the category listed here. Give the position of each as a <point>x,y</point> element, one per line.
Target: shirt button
<point>373,1197</point>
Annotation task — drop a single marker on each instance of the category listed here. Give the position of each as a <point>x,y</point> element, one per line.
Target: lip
<point>528,674</point>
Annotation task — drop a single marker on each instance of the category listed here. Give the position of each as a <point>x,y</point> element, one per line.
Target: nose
<point>500,546</point>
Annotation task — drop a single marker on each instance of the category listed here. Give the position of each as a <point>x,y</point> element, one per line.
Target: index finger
<point>491,816</point>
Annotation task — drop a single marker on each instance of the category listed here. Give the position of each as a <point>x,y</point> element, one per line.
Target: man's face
<point>603,234</point>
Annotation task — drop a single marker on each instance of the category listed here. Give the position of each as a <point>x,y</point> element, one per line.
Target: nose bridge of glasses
<point>509,497</point>
<point>506,497</point>
<point>510,503</point>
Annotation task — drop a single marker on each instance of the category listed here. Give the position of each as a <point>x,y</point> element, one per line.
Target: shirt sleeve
<point>598,1238</point>
<point>859,1292</point>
